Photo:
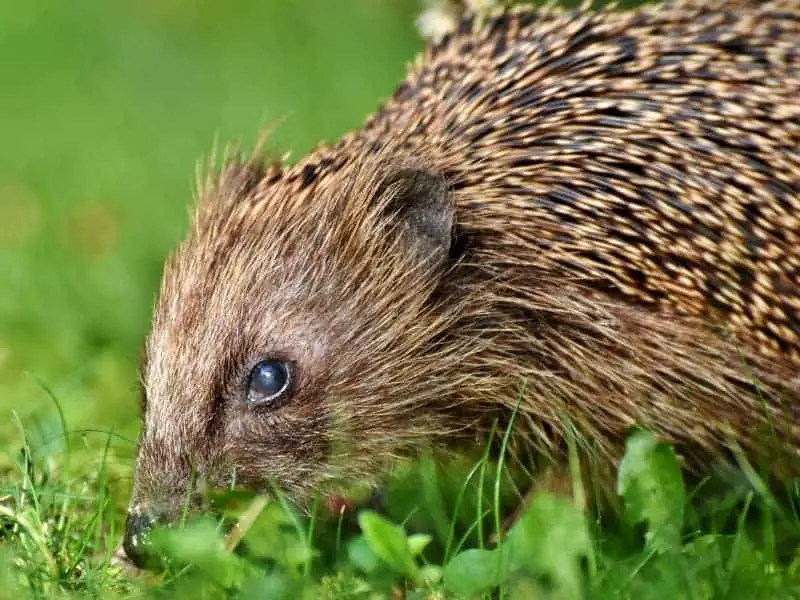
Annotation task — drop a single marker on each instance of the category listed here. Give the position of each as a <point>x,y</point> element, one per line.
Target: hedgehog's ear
<point>421,212</point>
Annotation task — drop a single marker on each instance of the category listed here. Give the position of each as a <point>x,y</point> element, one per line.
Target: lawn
<point>106,108</point>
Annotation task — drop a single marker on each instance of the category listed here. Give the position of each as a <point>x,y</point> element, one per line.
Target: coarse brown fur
<point>595,215</point>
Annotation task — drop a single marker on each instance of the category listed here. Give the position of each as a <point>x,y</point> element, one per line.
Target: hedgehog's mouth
<point>234,528</point>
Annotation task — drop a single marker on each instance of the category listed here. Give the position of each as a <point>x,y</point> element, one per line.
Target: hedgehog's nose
<point>136,543</point>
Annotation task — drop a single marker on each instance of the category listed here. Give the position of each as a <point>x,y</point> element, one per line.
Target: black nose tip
<point>137,540</point>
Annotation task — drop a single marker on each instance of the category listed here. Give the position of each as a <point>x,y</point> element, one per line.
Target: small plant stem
<point>245,522</point>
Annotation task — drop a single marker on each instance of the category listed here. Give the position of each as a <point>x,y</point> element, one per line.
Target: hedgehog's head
<point>291,343</point>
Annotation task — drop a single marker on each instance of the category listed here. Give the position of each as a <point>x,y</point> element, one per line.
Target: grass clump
<point>59,535</point>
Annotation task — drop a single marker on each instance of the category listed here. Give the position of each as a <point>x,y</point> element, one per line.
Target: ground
<point>105,110</point>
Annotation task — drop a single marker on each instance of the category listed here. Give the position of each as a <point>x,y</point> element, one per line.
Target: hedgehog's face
<point>276,344</point>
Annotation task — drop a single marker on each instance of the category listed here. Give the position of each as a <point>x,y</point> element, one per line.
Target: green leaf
<point>389,542</point>
<point>273,536</point>
<point>361,555</point>
<point>431,574</point>
<point>201,545</point>
<point>273,585</point>
<point>474,571</point>
<point>551,543</point>
<point>651,484</point>
<point>297,552</point>
<point>418,542</point>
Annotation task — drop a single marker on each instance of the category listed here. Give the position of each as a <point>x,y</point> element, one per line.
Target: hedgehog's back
<point>655,152</point>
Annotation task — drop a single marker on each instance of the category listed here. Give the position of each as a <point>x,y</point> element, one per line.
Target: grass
<point>105,109</point>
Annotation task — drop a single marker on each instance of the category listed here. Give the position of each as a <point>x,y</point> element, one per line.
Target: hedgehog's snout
<point>137,543</point>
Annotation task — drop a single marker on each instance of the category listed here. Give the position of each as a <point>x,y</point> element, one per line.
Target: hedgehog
<point>578,220</point>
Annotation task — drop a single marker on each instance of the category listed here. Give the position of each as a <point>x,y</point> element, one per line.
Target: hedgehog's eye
<point>268,382</point>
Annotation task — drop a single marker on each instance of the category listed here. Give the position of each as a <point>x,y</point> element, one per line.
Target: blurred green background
<point>106,107</point>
